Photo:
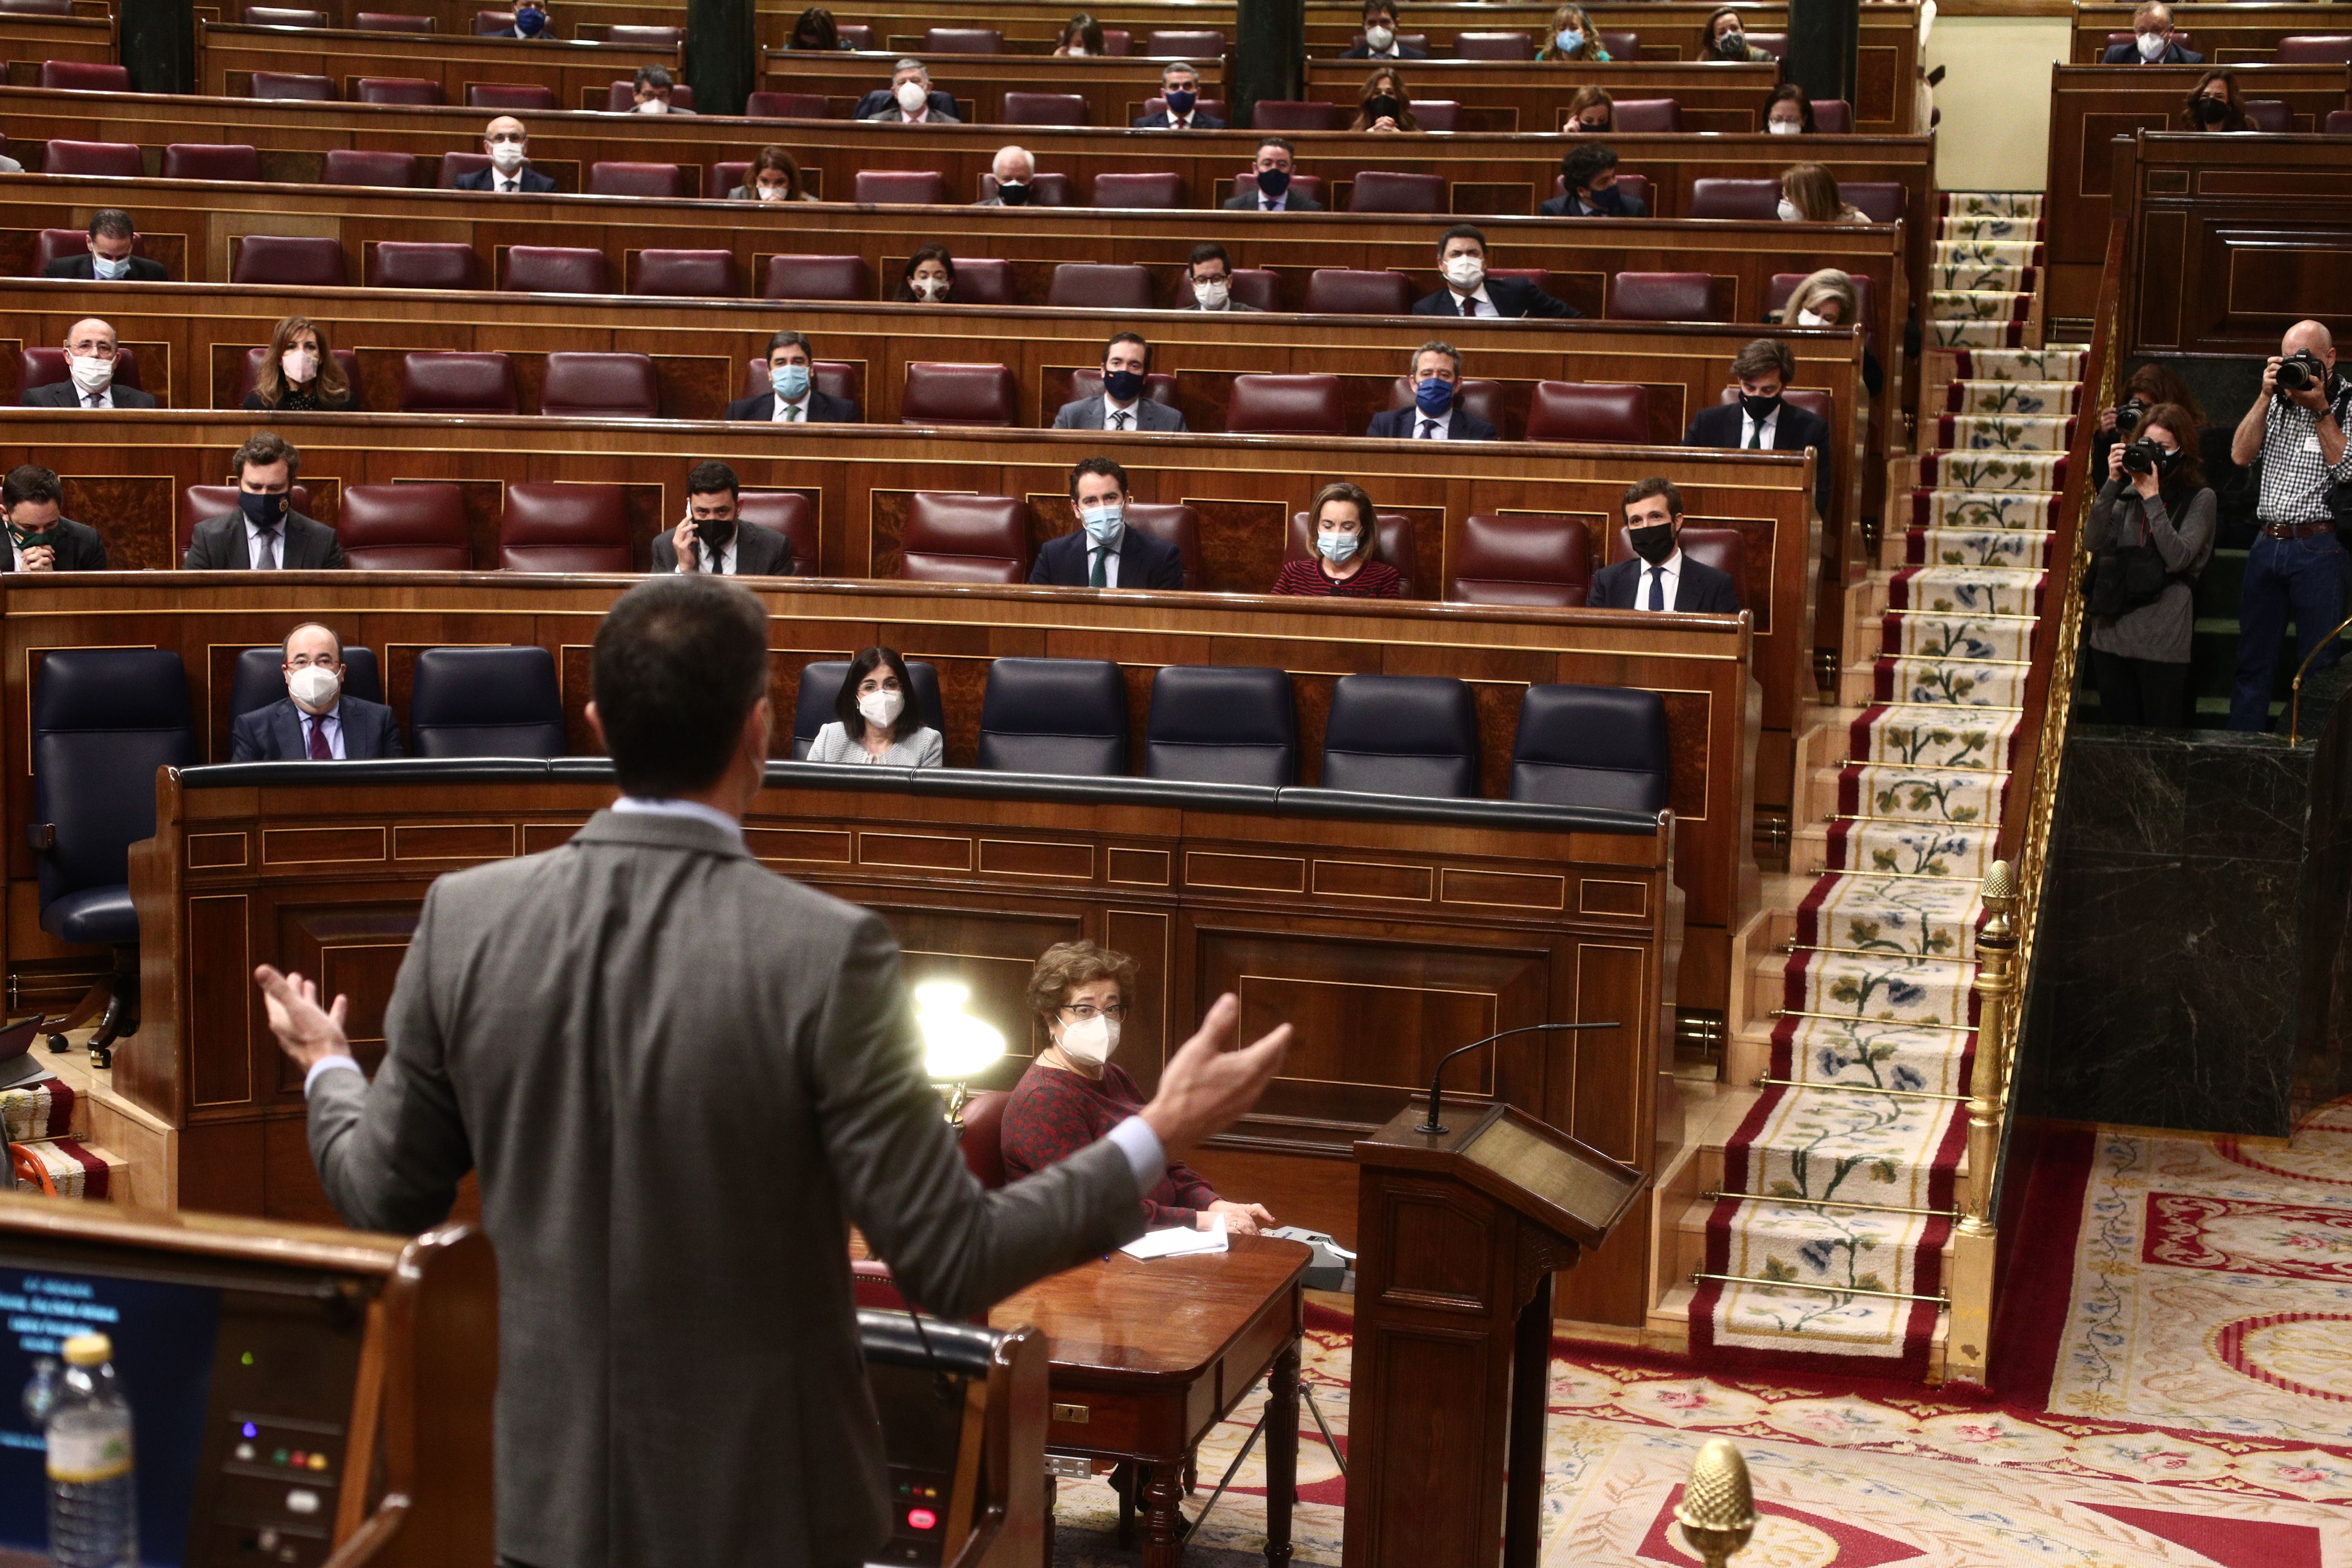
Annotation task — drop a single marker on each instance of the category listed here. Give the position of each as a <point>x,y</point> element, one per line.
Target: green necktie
<point>1100,579</point>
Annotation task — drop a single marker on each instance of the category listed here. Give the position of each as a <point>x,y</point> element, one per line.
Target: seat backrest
<point>117,160</point>
<point>1436,114</point>
<point>486,702</point>
<point>555,270</point>
<point>198,502</point>
<point>1725,549</point>
<point>1773,44</point>
<point>1286,405</point>
<point>1602,746</point>
<point>2270,114</point>
<point>1297,114</point>
<point>456,166</point>
<point>210,160</point>
<point>687,274</point>
<point>812,708</point>
<point>1222,724</point>
<point>984,281</point>
<point>46,367</point>
<point>293,87</point>
<point>939,392</point>
<point>1402,734</point>
<point>312,261</point>
<point>1494,47</point>
<point>1663,296</point>
<point>558,527</point>
<point>899,187</point>
<point>613,178</point>
<point>840,278</point>
<point>283,17</point>
<point>1757,199</point>
<point>2316,50</point>
<point>509,97</point>
<point>1393,542</point>
<point>56,244</point>
<point>1543,562</point>
<point>1647,115</point>
<point>1101,286</point>
<point>104,719</point>
<point>787,512</point>
<point>785,106</point>
<point>423,264</point>
<point>2338,122</point>
<point>600,386</point>
<point>963,42</point>
<point>1044,190</point>
<point>1195,45</point>
<point>1053,716</point>
<point>1345,291</point>
<point>1382,191</point>
<point>250,373</point>
<point>983,1139</point>
<point>489,23</point>
<point>964,539</point>
<point>1214,108</point>
<point>1044,108</point>
<point>1169,521</point>
<point>408,89</point>
<point>639,36</point>
<point>405,528</point>
<point>445,381</point>
<point>1620,46</point>
<point>37,7</point>
<point>393,21</point>
<point>85,76</point>
<point>259,677</point>
<point>1483,398</point>
<point>1617,412</point>
<point>1884,200</point>
<point>856,35</point>
<point>1119,43</point>
<point>1832,117</point>
<point>1260,287</point>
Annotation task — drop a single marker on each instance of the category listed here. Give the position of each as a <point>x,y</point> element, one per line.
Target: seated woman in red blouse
<point>1073,1094</point>
<point>1346,534</point>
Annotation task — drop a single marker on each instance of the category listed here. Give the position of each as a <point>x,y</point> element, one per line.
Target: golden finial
<point>2000,880</point>
<point>1718,1512</point>
<point>2001,905</point>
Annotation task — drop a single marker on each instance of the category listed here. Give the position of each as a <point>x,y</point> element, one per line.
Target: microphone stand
<point>1429,1124</point>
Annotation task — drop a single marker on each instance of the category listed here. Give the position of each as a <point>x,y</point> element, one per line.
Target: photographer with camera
<point>2149,533</point>
<point>2150,385</point>
<point>2297,429</point>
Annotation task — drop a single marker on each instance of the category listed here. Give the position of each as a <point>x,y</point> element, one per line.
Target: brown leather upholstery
<point>1245,182</point>
<point>939,392</point>
<point>509,97</point>
<point>2316,50</point>
<point>984,1136</point>
<point>1044,108</point>
<point>210,160</point>
<point>899,187</point>
<point>1483,398</point>
<point>437,380</point>
<point>636,36</point>
<point>1214,108</point>
<point>687,274</point>
<point>408,89</point>
<point>1543,562</point>
<point>456,166</point>
<point>1197,45</point>
<point>2339,122</point>
<point>55,244</point>
<point>37,7</point>
<point>1725,549</point>
<point>963,42</point>
<point>1381,191</point>
<point>1663,296</point>
<point>249,376</point>
<point>600,386</point>
<point>619,179</point>
<point>46,367</point>
<point>1755,199</point>
<point>1647,115</point>
<point>2270,114</point>
<point>564,528</point>
<point>198,502</point>
<point>283,17</point>
<point>1119,43</point>
<point>984,281</point>
<point>1773,44</point>
<point>293,86</point>
<point>964,539</point>
<point>1814,400</point>
<point>1297,114</point>
<point>1392,543</point>
<point>1437,113</point>
<point>837,278</point>
<point>555,270</point>
<point>392,21</point>
<point>785,106</point>
<point>85,76</point>
<point>405,528</point>
<point>1287,405</point>
<point>856,35</point>
<point>119,159</point>
<point>620,97</point>
<point>1169,524</point>
<point>788,512</point>
<point>312,261</point>
<point>1884,200</point>
<point>423,264</point>
<point>1045,190</point>
<point>1101,286</point>
<point>1343,291</point>
<point>489,23</point>
<point>1616,412</point>
<point>1259,286</point>
<point>1494,47</point>
<point>1834,116</point>
<point>1620,46</point>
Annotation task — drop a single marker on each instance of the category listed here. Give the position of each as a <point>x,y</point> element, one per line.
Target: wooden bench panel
<point>2242,34</point>
<point>26,41</point>
<point>227,54</point>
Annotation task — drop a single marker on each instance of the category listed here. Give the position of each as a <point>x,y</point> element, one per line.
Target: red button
<point>921,1519</point>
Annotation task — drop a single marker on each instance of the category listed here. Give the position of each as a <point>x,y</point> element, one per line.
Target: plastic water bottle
<point>93,1495</point>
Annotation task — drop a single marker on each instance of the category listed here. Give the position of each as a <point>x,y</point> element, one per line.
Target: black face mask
<point>2212,111</point>
<point>1383,107</point>
<point>1123,385</point>
<point>1273,181</point>
<point>1014,193</point>
<point>1654,542</point>
<point>1607,201</point>
<point>1732,45</point>
<point>1759,410</point>
<point>262,511</point>
<point>714,534</point>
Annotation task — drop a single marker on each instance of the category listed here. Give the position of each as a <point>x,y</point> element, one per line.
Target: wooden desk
<point>2245,33</point>
<point>1148,1357</point>
<point>1115,89</point>
<point>26,41</point>
<point>579,74</point>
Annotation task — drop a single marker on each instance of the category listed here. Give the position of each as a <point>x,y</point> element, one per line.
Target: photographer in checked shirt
<point>2296,428</point>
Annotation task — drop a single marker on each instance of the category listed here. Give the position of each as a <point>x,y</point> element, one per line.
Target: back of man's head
<point>677,665</point>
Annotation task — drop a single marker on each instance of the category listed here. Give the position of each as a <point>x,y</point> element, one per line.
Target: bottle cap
<point>89,1350</point>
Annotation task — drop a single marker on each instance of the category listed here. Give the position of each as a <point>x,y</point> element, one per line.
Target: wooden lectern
<point>1457,1236</point>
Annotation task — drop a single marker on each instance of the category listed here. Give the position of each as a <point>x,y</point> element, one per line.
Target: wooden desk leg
<point>1281,1453</point>
<point>1162,1548</point>
<point>1530,1395</point>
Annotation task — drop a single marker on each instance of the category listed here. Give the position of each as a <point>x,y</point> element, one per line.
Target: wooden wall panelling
<point>26,41</point>
<point>2240,33</point>
<point>1115,89</point>
<point>579,74</point>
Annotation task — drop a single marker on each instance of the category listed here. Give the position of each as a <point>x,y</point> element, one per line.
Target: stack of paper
<point>1177,1241</point>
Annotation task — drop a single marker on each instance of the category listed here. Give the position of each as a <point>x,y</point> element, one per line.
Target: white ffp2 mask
<point>881,709</point>
<point>91,375</point>
<point>1465,271</point>
<point>1091,1040</point>
<point>313,686</point>
<point>911,96</point>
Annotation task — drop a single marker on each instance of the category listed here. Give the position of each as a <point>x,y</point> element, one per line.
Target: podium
<point>1458,1234</point>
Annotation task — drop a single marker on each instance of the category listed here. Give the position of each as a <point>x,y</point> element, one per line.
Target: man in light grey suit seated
<point>662,1155</point>
<point>1120,405</point>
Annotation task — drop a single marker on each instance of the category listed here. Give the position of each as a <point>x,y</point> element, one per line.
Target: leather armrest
<point>41,836</point>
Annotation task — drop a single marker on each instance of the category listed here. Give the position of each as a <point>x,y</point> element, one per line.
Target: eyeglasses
<point>1082,1013</point>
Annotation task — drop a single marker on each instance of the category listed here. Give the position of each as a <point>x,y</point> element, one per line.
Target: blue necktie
<point>1657,588</point>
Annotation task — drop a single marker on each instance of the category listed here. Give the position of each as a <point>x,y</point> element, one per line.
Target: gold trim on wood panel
<point>1584,904</point>
<point>1006,870</point>
<point>1197,857</point>
<point>328,949</point>
<point>761,839</point>
<point>1141,878</point>
<point>868,842</point>
<point>403,829</point>
<point>245,990</point>
<point>1445,894</point>
<point>1426,875</point>
<point>295,837</point>
<point>244,851</point>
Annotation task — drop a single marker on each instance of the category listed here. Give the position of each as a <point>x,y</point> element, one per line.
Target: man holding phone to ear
<point>712,537</point>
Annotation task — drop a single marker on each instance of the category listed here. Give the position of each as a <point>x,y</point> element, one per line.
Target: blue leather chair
<point>1402,734</point>
<point>260,678</point>
<point>103,720</point>
<point>821,686</point>
<point>1212,724</point>
<point>486,702</point>
<point>1053,716</point>
<point>1590,745</point>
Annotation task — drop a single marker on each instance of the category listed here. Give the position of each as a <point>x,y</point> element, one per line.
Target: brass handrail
<point>2294,694</point>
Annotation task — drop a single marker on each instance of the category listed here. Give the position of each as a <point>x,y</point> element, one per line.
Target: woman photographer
<point>2150,385</point>
<point>2149,533</point>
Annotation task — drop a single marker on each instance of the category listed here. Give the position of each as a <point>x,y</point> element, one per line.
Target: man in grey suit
<point>661,1156</point>
<point>1120,405</point>
<point>90,352</point>
<point>265,533</point>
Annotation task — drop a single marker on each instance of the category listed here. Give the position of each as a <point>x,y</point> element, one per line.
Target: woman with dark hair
<point>772,177</point>
<point>1082,36</point>
<point>1591,111</point>
<point>2149,533</point>
<point>928,278</point>
<point>816,29</point>
<point>2150,385</point>
<point>875,719</point>
<point>1384,104</point>
<point>1727,39</point>
<point>299,374</point>
<point>2215,104</point>
<point>1788,112</point>
<point>1345,532</point>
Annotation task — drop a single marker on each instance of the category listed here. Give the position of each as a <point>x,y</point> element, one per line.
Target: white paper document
<point>1177,1241</point>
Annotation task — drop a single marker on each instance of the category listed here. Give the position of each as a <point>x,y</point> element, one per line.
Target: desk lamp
<point>957,1047</point>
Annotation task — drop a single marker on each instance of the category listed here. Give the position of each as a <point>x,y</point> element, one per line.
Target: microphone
<point>1429,1124</point>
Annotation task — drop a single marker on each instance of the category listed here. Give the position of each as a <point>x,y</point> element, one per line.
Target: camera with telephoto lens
<point>2301,372</point>
<point>2129,412</point>
<point>2144,457</point>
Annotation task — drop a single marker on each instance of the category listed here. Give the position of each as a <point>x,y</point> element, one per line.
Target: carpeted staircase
<point>1832,1155</point>
<point>47,1120</point>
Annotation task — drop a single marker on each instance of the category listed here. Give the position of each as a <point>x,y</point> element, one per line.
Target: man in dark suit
<point>910,100</point>
<point>1275,166</point>
<point>2152,42</point>
<point>509,144</point>
<point>41,537</point>
<point>713,536</point>
<point>1763,419</point>
<point>792,397</point>
<point>91,349</point>
<point>1379,41</point>
<point>1120,406</point>
<point>264,534</point>
<point>1209,280</point>
<point>768,1063</point>
<point>1589,175</point>
<point>316,720</point>
<point>112,237</point>
<point>530,21</point>
<point>1179,97</point>
<point>1104,552</point>
<point>1469,291</point>
<point>1660,577</point>
<point>1435,415</point>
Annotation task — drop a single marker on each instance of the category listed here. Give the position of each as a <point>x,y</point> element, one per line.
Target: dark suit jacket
<point>1796,429</point>
<point>1403,52</point>
<point>1564,205</point>
<point>79,549</point>
<point>1399,424</point>
<point>1702,591</point>
<point>1513,297</point>
<point>1143,562</point>
<point>824,408</point>
<point>65,395</point>
<point>537,990</point>
<point>1159,121</point>
<point>219,545</point>
<point>882,101</point>
<point>273,734</point>
<point>1247,203</point>
<point>758,552</point>
<point>533,182</point>
<point>2129,55</point>
<point>83,267</point>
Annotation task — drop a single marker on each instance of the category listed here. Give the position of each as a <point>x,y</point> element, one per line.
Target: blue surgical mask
<point>111,271</point>
<point>1336,546</point>
<point>791,383</point>
<point>1103,524</point>
<point>530,20</point>
<point>1570,40</point>
<point>1434,394</point>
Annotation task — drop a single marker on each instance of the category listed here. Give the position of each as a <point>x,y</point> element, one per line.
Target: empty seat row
<point>620,97</point>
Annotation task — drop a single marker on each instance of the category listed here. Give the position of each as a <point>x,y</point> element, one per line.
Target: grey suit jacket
<point>670,1166</point>
<point>1086,414</point>
<point>63,395</point>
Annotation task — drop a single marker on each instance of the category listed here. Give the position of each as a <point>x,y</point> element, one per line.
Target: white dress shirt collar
<point>1133,410</point>
<point>1747,429</point>
<point>725,554</point>
<point>1109,553</point>
<point>1266,204</point>
<point>1443,432</point>
<point>277,547</point>
<point>1673,580</point>
<point>784,410</point>
<point>1466,304</point>
<point>645,806</point>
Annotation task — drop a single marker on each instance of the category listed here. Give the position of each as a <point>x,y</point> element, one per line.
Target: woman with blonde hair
<point>1809,194</point>
<point>1592,111</point>
<point>299,374</point>
<point>1384,104</point>
<point>1828,299</point>
<point>1572,37</point>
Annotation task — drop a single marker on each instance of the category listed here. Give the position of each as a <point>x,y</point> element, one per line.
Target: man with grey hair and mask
<point>316,721</point>
<point>1016,171</point>
<point>910,100</point>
